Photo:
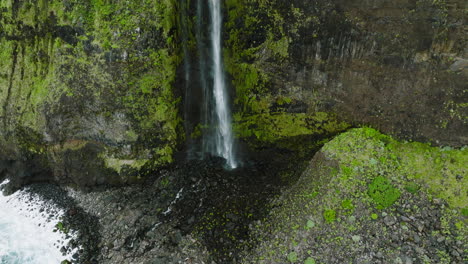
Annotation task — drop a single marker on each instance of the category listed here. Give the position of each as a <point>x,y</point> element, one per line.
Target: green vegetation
<point>329,215</point>
<point>271,127</point>
<point>410,165</point>
<point>72,60</point>
<point>465,212</point>
<point>292,257</point>
<point>348,206</point>
<point>383,192</point>
<point>356,173</point>
<point>412,187</point>
<point>118,164</point>
<point>60,227</point>
<point>258,31</point>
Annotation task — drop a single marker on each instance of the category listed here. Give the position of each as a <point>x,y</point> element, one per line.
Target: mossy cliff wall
<point>399,66</point>
<point>86,88</point>
<point>92,90</point>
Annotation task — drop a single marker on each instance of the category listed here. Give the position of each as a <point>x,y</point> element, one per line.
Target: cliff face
<point>86,89</point>
<point>400,67</point>
<point>91,91</point>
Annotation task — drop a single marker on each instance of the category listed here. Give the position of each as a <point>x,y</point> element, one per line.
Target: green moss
<point>412,187</point>
<point>91,58</point>
<point>131,136</point>
<point>164,182</point>
<point>273,127</point>
<point>359,170</point>
<point>280,47</point>
<point>329,215</point>
<point>164,155</point>
<point>118,164</point>
<point>438,170</point>
<point>292,257</point>
<point>257,32</point>
<point>347,206</point>
<point>383,192</point>
<point>70,145</point>
<point>464,212</point>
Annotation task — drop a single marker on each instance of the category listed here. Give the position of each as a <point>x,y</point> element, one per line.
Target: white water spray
<point>223,132</point>
<point>26,235</point>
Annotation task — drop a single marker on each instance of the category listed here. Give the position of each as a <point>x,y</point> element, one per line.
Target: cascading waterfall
<point>224,141</point>
<point>207,99</point>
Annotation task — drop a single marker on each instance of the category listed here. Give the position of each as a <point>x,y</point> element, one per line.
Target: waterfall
<point>207,98</point>
<point>224,141</point>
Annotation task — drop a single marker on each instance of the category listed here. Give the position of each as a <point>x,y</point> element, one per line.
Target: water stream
<point>224,142</point>
<point>207,100</point>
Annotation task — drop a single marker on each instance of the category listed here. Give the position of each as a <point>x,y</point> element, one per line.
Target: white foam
<point>26,233</point>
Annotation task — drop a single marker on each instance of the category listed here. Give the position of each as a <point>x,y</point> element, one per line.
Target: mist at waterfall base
<point>207,103</point>
<point>26,230</point>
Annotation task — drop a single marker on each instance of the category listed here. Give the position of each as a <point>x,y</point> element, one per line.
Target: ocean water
<point>26,230</point>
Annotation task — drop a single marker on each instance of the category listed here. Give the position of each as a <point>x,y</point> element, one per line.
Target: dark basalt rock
<point>386,66</point>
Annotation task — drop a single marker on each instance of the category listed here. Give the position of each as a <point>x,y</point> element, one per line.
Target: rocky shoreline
<point>80,229</point>
<point>197,212</point>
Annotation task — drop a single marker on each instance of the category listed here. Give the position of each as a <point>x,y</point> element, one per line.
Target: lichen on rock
<point>91,72</point>
<point>368,63</point>
<point>356,189</point>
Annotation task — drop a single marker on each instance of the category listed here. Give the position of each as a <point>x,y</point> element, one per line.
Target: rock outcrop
<point>367,198</point>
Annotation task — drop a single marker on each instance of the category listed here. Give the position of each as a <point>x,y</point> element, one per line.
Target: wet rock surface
<point>85,227</point>
<point>198,212</point>
<point>81,231</point>
<point>195,212</point>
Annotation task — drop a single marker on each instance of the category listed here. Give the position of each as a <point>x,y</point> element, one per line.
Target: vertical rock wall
<point>87,87</point>
<point>399,66</point>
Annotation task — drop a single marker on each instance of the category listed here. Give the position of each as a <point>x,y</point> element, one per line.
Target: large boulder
<point>367,198</point>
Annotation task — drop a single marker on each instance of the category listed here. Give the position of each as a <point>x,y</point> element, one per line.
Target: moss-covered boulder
<point>367,198</point>
<point>87,87</point>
